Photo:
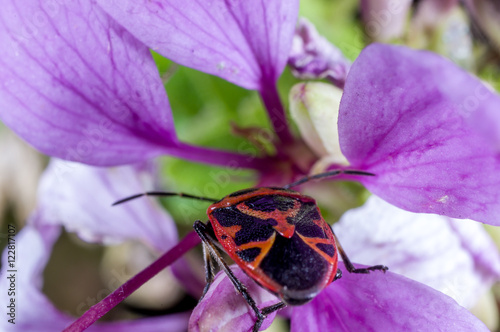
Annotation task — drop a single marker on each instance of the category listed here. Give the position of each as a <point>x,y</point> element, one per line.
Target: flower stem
<point>109,302</point>
<point>219,157</point>
<point>272,101</point>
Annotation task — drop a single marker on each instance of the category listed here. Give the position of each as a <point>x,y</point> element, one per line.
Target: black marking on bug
<point>270,203</point>
<point>294,265</point>
<point>223,237</point>
<point>249,255</point>
<point>252,228</point>
<point>243,192</point>
<point>304,224</point>
<point>328,249</point>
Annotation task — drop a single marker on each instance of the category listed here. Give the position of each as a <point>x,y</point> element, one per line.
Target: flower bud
<point>315,108</point>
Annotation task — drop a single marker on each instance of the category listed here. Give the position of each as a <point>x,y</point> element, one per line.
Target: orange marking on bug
<point>264,246</point>
<point>283,227</point>
<point>232,230</point>
<point>312,243</point>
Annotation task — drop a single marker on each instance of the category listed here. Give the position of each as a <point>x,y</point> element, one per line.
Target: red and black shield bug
<point>277,236</point>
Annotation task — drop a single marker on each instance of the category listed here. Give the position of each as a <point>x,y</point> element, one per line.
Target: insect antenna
<point>325,175</point>
<point>163,193</point>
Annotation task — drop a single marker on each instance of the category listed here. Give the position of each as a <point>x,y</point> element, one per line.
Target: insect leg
<point>209,269</point>
<point>272,308</point>
<point>349,266</point>
<point>209,241</point>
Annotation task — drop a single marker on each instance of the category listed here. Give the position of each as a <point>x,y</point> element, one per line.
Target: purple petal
<point>428,130</point>
<point>80,197</point>
<point>456,257</point>
<point>34,311</point>
<point>172,323</point>
<point>382,302</point>
<point>314,57</point>
<point>78,86</point>
<point>224,309</point>
<point>244,42</point>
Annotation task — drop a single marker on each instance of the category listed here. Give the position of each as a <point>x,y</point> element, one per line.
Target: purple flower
<point>313,57</point>
<point>355,304</point>
<point>35,312</point>
<point>456,258</point>
<point>78,197</point>
<point>432,146</point>
<point>60,184</point>
<point>80,84</point>
<point>378,302</point>
<point>221,310</point>
<point>424,140</point>
<point>71,63</point>
<point>396,119</point>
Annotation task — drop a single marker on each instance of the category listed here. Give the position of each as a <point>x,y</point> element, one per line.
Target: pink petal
<point>79,197</point>
<point>78,86</point>
<point>224,309</point>
<point>244,42</point>
<point>428,130</point>
<point>382,302</point>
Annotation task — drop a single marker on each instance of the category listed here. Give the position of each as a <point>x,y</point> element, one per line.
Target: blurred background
<point>211,112</point>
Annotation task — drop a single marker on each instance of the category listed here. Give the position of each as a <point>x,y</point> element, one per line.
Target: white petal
<point>456,257</point>
<point>80,197</point>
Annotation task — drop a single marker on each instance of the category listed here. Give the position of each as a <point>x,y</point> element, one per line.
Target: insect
<point>277,236</point>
